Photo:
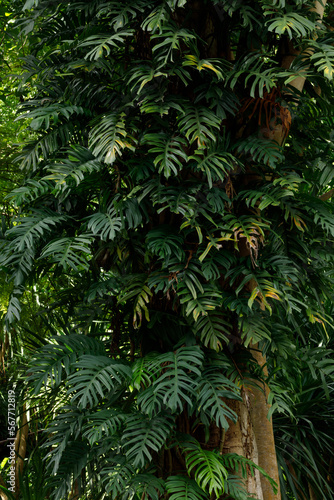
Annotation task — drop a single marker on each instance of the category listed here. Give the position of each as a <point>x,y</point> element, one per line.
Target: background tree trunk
<point>21,448</point>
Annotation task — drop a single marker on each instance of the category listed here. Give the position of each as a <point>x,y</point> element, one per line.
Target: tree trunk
<point>3,352</point>
<point>298,83</point>
<point>240,439</point>
<point>252,436</point>
<point>74,495</point>
<point>21,448</point>
<point>263,431</point>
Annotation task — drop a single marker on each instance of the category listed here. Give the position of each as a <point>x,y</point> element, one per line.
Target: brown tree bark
<point>298,83</point>
<point>21,448</point>
<point>240,439</point>
<point>263,431</point>
<point>74,495</point>
<point>3,351</point>
<point>262,428</point>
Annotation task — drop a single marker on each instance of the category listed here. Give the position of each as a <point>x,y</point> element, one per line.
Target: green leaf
<point>261,150</point>
<point>117,476</point>
<point>200,125</point>
<point>106,224</point>
<point>29,4</point>
<point>137,288</point>
<point>213,330</point>
<point>146,486</point>
<point>183,488</point>
<point>323,58</point>
<point>169,161</point>
<point>207,468</point>
<point>292,23</point>
<point>46,116</point>
<point>141,76</point>
<point>60,355</point>
<point>144,435</point>
<point>109,137</point>
<point>102,424</point>
<point>156,19</point>
<point>28,230</point>
<point>31,191</point>
<point>213,389</point>
<point>172,38</point>
<point>69,252</point>
<point>216,163</point>
<point>104,43</point>
<point>170,378</point>
<point>74,169</point>
<point>97,376</point>
<point>252,70</point>
<point>166,244</point>
<point>214,65</point>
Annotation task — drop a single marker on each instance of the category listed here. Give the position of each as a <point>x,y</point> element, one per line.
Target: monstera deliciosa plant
<point>177,200</point>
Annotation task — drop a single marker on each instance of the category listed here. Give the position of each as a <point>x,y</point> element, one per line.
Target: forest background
<point>167,249</point>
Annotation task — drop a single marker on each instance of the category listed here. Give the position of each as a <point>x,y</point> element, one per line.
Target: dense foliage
<point>175,217</point>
